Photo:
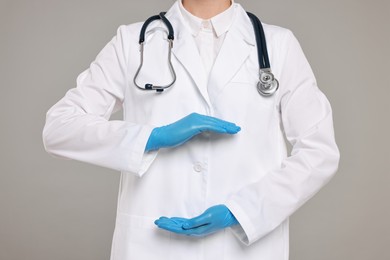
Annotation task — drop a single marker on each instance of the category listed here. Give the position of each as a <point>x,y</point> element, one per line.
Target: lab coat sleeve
<point>306,116</point>
<point>78,126</point>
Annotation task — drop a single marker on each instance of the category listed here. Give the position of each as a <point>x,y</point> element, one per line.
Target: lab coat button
<point>206,24</point>
<point>197,167</point>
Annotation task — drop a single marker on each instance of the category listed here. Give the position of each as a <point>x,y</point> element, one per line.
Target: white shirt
<point>209,34</point>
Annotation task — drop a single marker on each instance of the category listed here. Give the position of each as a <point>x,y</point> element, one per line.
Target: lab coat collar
<point>237,45</point>
<point>240,23</point>
<point>236,48</point>
<point>221,22</point>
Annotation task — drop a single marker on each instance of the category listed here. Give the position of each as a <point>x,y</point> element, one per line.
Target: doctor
<point>204,167</point>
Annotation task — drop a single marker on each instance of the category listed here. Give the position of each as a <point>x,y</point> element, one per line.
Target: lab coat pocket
<point>243,100</point>
<point>137,237</point>
<point>241,91</point>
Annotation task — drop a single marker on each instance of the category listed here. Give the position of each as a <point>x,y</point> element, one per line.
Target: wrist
<point>153,141</point>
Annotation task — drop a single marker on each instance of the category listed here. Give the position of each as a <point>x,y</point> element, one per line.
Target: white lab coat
<point>249,172</point>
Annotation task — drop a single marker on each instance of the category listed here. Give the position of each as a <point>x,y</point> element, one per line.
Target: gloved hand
<point>184,129</point>
<point>213,219</point>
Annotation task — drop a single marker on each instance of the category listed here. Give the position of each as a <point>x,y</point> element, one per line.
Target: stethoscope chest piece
<point>267,84</point>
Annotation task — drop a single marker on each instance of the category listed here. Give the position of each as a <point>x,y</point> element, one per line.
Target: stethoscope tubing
<point>267,84</point>
<point>171,37</point>
<point>262,52</point>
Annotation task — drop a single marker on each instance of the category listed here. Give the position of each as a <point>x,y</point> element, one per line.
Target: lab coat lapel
<point>237,46</point>
<point>188,55</point>
<point>186,51</point>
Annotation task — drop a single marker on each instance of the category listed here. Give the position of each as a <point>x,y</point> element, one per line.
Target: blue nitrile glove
<point>213,219</point>
<point>184,129</point>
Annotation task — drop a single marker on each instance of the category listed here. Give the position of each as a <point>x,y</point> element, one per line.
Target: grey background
<point>62,209</point>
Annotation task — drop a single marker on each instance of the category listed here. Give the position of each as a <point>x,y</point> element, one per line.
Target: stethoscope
<point>267,84</point>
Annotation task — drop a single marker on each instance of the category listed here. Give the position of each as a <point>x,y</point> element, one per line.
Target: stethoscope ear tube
<point>145,26</point>
<point>171,35</point>
<point>149,86</point>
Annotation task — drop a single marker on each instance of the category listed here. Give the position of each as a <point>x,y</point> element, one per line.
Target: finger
<point>172,221</point>
<point>178,220</point>
<point>218,125</point>
<point>201,220</point>
<point>167,222</point>
<point>164,219</point>
<point>160,219</point>
<point>200,231</point>
<point>218,128</point>
<point>171,226</point>
<point>174,228</point>
<point>219,121</point>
